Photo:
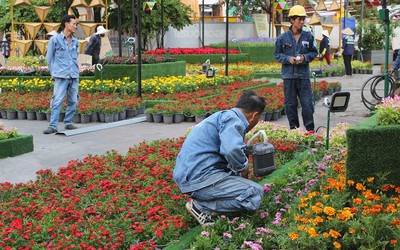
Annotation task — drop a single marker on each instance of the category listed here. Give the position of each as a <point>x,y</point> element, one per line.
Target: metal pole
<point>361,25</point>
<point>327,130</point>
<point>202,24</point>
<point>387,27</point>
<point>119,29</point>
<point>227,39</point>
<point>139,56</point>
<point>133,19</point>
<point>162,24</point>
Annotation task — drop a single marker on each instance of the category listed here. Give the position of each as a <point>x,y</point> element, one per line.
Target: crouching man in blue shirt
<point>211,162</point>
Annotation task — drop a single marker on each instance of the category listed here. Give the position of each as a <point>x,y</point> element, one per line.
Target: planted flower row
<point>155,85</point>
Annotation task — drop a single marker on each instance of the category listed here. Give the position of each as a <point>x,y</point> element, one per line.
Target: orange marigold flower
<point>357,201</point>
<point>312,232</point>
<point>393,242</point>
<point>359,186</point>
<point>338,168</point>
<point>344,215</point>
<point>329,211</point>
<point>316,210</point>
<point>319,204</point>
<point>293,236</point>
<point>337,245</point>
<point>395,223</point>
<point>371,179</point>
<point>350,182</point>
<point>334,234</point>
<point>352,230</point>
<point>326,235</point>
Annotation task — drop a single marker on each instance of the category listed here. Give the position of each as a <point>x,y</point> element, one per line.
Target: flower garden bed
<point>130,202</point>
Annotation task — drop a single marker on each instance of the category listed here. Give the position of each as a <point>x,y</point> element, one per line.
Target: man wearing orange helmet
<point>295,50</point>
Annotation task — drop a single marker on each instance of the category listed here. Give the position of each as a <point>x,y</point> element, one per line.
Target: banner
<point>261,22</point>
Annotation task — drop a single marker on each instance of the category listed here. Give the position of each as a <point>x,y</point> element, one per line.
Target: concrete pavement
<point>54,151</point>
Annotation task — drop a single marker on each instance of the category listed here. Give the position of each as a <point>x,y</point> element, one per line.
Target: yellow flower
<point>371,179</point>
<point>329,211</point>
<point>293,236</point>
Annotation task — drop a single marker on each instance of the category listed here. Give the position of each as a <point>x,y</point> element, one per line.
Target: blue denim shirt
<point>213,150</point>
<point>286,47</point>
<point>62,59</point>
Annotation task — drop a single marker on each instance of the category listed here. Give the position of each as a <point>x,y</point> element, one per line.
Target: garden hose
<point>369,91</point>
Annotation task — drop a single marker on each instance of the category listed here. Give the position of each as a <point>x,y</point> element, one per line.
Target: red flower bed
<point>109,202</point>
<point>193,51</point>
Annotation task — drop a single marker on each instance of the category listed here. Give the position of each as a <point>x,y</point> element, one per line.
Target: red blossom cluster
<point>193,51</point>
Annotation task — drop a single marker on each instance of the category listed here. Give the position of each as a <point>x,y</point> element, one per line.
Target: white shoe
<point>203,219</point>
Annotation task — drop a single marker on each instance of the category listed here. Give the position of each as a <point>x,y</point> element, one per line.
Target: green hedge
<point>267,74</point>
<point>261,54</point>
<point>373,149</point>
<point>16,146</point>
<point>214,58</point>
<point>116,71</point>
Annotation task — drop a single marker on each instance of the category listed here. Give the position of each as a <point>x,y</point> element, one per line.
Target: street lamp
<point>338,103</point>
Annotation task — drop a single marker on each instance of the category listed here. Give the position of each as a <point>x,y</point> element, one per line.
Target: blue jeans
<point>231,194</point>
<point>300,88</point>
<point>61,87</point>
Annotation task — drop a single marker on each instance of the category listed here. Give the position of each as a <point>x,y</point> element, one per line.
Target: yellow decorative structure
<point>327,27</point>
<point>51,26</point>
<point>32,28</point>
<point>334,6</point>
<point>321,5</point>
<point>285,27</point>
<point>314,19</point>
<point>42,11</point>
<point>97,3</point>
<point>82,46</point>
<point>42,45</point>
<point>23,46</point>
<point>22,3</point>
<point>79,3</point>
<point>88,28</point>
<point>302,2</point>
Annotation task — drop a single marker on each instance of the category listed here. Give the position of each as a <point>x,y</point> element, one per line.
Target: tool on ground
<point>262,154</point>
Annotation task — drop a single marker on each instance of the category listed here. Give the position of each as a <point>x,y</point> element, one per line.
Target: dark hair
<point>249,101</point>
<point>66,19</point>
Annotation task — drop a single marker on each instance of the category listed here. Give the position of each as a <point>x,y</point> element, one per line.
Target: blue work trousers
<point>231,194</point>
<point>64,87</point>
<point>301,89</point>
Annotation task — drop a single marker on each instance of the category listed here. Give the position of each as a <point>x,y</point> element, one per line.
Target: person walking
<point>295,50</point>
<point>94,45</point>
<point>212,164</point>
<point>62,60</point>
<point>324,48</point>
<point>348,50</point>
<point>6,46</point>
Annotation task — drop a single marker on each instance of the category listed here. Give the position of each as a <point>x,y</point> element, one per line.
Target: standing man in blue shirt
<point>62,60</point>
<point>295,50</point>
<point>212,161</point>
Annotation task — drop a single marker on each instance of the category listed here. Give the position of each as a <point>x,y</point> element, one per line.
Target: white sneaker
<point>203,219</point>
